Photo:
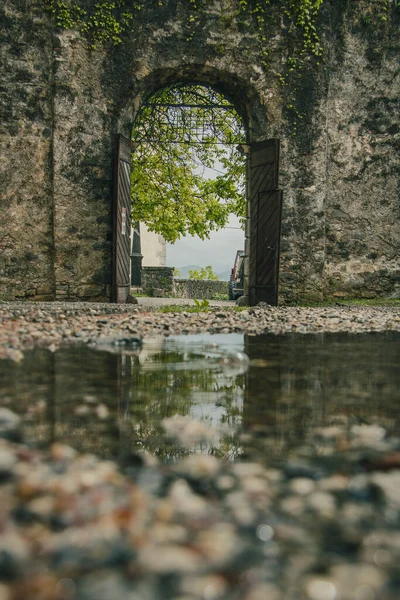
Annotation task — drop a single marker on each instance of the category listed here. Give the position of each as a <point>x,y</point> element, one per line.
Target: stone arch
<point>243,94</point>
<point>121,83</point>
<point>256,121</point>
<point>340,227</point>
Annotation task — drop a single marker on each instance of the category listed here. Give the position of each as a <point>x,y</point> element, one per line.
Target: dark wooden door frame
<point>265,221</point>
<point>121,276</point>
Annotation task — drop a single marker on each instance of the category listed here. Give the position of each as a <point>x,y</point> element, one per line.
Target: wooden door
<point>122,221</point>
<point>136,256</point>
<point>265,222</point>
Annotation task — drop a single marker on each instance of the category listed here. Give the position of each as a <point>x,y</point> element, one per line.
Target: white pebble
<point>302,486</point>
<point>319,589</point>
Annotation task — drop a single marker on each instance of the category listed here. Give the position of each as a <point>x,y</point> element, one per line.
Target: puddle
<point>323,521</point>
<point>125,397</point>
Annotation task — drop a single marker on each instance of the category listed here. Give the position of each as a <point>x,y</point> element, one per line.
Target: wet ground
<point>199,467</point>
<point>260,396</point>
<point>51,324</point>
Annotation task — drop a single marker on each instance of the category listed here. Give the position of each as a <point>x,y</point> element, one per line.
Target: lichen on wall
<point>338,123</point>
<point>26,222</point>
<point>363,143</point>
<point>158,278</point>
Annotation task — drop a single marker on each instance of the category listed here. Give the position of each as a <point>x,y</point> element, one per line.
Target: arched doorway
<point>164,110</point>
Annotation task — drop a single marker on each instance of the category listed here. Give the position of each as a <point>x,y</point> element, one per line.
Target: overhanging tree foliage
<point>178,137</point>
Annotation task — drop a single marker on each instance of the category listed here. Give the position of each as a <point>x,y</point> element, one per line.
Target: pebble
<point>367,435</point>
<point>5,592</point>
<point>200,466</point>
<point>322,503</point>
<point>102,411</point>
<point>184,502</point>
<point>242,511</point>
<point>200,529</point>
<point>264,591</point>
<point>349,578</point>
<point>226,482</point>
<point>7,462</point>
<point>302,486</point>
<point>389,483</point>
<point>169,558</point>
<point>9,424</point>
<point>209,587</point>
<point>62,452</point>
<point>219,544</point>
<point>292,505</point>
<point>29,324</point>
<point>74,524</point>
<point>187,431</point>
<point>320,589</point>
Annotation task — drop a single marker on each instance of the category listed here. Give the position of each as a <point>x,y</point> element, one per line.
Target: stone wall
<point>362,205</point>
<point>26,126</point>
<point>62,105</point>
<point>200,289</point>
<point>158,281</point>
<point>341,172</point>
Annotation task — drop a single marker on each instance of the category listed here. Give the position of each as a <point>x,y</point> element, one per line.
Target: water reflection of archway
<point>95,400</point>
<point>299,383</point>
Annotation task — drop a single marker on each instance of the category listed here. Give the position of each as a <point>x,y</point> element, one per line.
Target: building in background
<point>153,248</point>
<point>149,249</point>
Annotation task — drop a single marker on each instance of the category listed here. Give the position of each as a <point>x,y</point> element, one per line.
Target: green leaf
<point>169,193</point>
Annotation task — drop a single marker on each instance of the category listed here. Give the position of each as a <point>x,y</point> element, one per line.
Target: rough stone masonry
<point>62,104</point>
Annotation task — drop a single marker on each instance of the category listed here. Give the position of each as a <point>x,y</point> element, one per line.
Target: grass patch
<point>179,308</point>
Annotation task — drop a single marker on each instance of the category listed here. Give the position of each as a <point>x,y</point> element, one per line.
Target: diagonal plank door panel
<point>265,222</point>
<point>122,221</point>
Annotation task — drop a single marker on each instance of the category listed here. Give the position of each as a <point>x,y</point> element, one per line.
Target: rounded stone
<point>10,423</point>
<point>302,486</point>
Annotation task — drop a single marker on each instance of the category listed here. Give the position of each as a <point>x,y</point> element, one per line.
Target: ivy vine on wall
<point>106,22</point>
<point>99,22</point>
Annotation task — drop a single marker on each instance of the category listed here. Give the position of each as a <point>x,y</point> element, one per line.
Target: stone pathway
<point>148,302</point>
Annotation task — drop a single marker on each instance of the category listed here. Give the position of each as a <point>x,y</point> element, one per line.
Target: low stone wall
<point>193,288</point>
<point>158,281</point>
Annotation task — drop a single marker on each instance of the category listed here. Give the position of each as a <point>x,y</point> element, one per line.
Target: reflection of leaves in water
<point>164,358</point>
<point>150,439</point>
<point>159,393</point>
<point>229,447</point>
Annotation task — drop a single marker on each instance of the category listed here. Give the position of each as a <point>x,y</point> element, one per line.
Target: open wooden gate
<point>265,222</point>
<point>136,256</point>
<point>122,221</point>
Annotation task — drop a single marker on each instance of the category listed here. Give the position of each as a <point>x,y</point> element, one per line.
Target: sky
<point>219,251</point>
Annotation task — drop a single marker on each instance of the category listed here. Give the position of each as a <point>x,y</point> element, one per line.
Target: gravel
<point>25,325</point>
<point>76,527</point>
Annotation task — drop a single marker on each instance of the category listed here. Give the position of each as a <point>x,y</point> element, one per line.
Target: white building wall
<point>153,248</point>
